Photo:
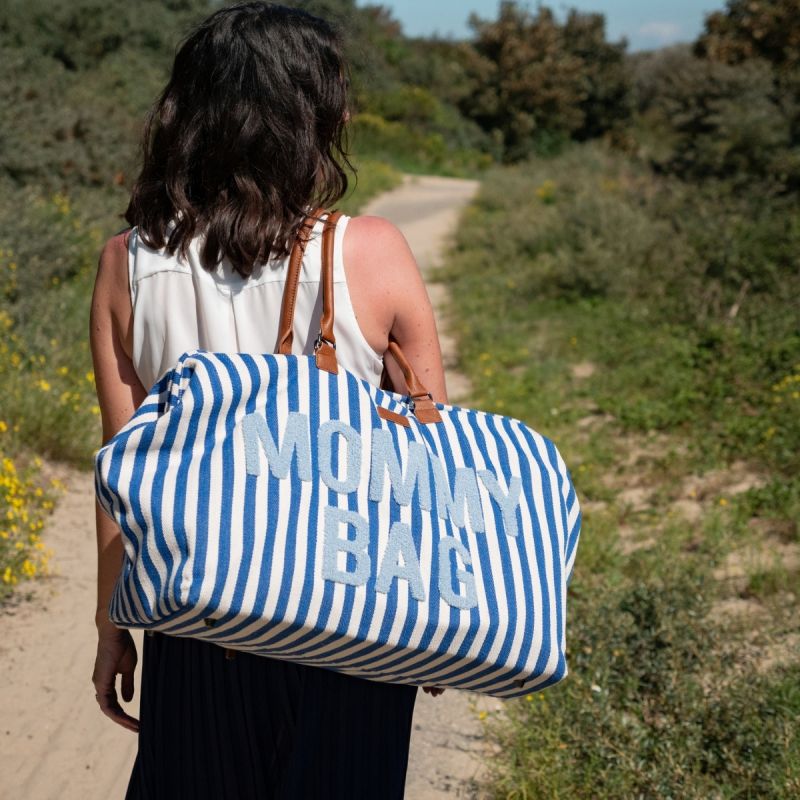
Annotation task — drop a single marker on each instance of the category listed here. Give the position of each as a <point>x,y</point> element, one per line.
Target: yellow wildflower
<point>547,191</point>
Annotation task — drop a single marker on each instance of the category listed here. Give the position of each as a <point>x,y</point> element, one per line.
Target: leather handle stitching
<point>286,332</point>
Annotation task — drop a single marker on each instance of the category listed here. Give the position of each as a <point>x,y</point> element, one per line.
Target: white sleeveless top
<point>178,306</point>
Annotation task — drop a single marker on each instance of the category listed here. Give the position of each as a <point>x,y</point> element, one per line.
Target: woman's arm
<point>390,299</point>
<point>119,394</point>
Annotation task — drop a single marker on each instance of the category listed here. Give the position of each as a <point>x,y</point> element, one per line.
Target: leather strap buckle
<point>318,342</point>
<point>411,402</point>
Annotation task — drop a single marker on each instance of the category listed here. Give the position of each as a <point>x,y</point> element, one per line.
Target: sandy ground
<point>57,745</point>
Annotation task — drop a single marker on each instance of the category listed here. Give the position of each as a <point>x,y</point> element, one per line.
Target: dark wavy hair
<point>248,136</point>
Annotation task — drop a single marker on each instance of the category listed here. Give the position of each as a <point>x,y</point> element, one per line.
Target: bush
<point>410,149</point>
<point>730,106</point>
<point>729,122</point>
<point>24,505</point>
<point>686,295</point>
<point>592,259</point>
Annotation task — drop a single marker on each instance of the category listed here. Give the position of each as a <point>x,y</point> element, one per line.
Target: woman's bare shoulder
<point>374,243</point>
<point>111,299</point>
<point>370,224</point>
<point>390,297</point>
<point>112,266</point>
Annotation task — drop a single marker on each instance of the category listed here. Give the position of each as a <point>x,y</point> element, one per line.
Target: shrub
<point>591,257</point>
<point>407,148</point>
<point>24,505</point>
<point>730,106</point>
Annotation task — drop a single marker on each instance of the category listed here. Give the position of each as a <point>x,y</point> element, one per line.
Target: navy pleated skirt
<point>254,727</point>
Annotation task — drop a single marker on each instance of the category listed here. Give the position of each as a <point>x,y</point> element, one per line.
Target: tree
<point>727,120</point>
<point>767,29</point>
<point>537,80</point>
<point>607,98</point>
<point>753,49</point>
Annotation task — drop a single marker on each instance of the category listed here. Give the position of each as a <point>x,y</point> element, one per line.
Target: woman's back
<point>178,305</point>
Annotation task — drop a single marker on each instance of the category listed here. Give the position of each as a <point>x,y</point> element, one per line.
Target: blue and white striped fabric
<point>272,507</point>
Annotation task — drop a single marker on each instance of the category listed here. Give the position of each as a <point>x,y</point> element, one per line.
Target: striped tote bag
<point>278,504</point>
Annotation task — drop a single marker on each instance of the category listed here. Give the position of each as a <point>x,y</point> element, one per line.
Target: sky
<point>646,24</point>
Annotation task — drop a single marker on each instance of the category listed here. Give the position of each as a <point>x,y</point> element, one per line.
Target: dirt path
<point>56,745</point>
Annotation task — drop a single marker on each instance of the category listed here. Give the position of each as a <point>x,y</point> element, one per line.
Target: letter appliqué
<point>400,543</point>
<point>351,440</point>
<point>296,441</point>
<point>448,594</point>
<point>384,458</point>
<point>508,502</point>
<point>333,544</point>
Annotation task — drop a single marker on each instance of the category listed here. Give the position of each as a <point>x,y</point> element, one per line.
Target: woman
<point>240,146</point>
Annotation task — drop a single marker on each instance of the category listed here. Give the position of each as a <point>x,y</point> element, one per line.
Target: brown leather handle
<point>422,403</point>
<point>325,346</point>
<point>285,332</point>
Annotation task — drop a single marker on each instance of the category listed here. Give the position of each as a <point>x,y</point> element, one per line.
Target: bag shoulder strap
<point>285,332</point>
<point>420,399</point>
<point>325,345</point>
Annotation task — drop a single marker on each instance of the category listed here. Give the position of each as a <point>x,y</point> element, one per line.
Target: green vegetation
<point>626,352</point>
<point>536,82</point>
<point>48,405</point>
<point>636,301</point>
<point>24,506</point>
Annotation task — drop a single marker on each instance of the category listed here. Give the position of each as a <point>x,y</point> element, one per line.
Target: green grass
<point>591,303</point>
<point>49,255</point>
